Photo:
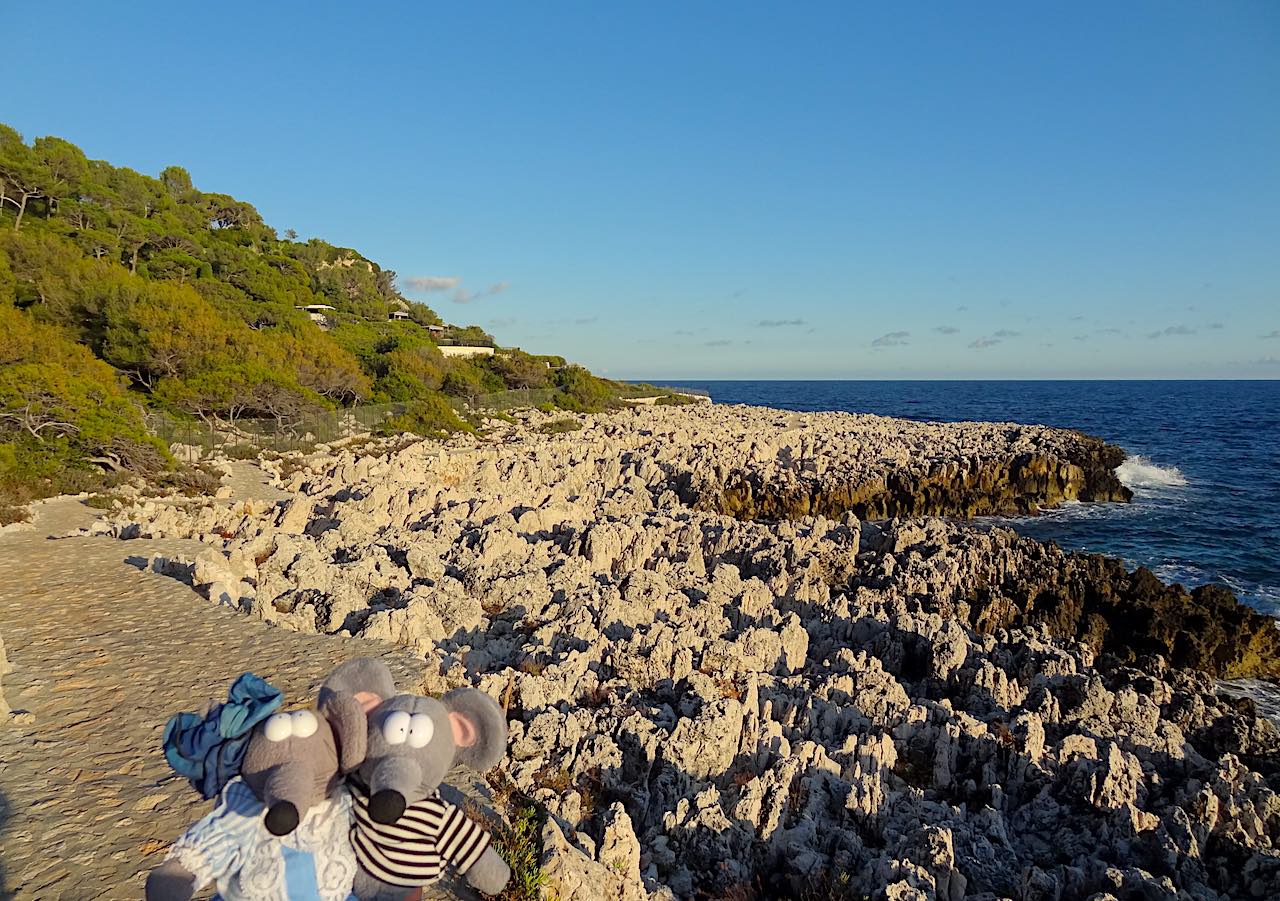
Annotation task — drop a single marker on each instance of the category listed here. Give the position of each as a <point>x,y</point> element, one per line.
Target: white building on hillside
<point>465,350</point>
<point>317,313</point>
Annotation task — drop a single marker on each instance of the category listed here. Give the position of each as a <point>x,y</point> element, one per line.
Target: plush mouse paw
<point>490,873</point>
<point>170,882</point>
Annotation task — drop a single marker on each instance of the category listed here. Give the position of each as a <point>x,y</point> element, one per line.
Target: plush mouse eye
<point>395,728</point>
<point>421,728</point>
<point>279,727</point>
<point>305,724</point>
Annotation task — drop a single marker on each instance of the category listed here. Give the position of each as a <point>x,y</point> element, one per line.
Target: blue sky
<point>925,190</point>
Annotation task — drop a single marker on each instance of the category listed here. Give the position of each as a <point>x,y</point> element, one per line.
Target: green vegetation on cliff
<point>121,293</point>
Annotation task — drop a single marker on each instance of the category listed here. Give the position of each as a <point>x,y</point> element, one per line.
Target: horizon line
<point>946,379</point>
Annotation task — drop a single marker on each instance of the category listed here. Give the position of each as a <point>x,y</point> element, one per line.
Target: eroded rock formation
<point>711,707</point>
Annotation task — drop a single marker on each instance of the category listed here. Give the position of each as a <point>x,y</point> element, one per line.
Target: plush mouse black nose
<point>282,818</point>
<point>386,806</point>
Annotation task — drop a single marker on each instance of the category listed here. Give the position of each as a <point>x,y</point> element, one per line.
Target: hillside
<point>121,293</point>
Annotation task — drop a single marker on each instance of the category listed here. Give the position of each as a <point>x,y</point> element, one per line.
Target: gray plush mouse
<point>405,833</point>
<point>280,831</point>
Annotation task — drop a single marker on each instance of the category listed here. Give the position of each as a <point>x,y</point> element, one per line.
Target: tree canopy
<point>150,293</point>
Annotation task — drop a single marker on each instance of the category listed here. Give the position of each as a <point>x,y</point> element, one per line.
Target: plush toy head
<point>295,759</point>
<point>414,741</point>
<point>292,763</point>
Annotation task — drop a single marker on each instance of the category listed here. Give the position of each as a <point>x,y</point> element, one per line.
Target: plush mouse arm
<point>490,873</point>
<point>211,848</point>
<point>415,850</point>
<point>171,882</point>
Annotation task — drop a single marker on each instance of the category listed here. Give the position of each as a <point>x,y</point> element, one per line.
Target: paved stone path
<point>102,655</point>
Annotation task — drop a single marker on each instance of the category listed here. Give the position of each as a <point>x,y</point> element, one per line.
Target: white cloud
<point>462,295</point>
<point>946,329</point>
<point>776,323</point>
<point>891,339</point>
<point>984,342</point>
<point>428,283</point>
<point>1173,330</point>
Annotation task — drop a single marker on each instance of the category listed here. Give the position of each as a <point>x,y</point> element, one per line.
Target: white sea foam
<point>1139,472</point>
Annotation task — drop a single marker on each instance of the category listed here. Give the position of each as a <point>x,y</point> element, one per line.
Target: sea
<point>1204,463</point>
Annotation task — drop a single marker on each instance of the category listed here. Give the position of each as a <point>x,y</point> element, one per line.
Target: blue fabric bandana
<point>208,750</point>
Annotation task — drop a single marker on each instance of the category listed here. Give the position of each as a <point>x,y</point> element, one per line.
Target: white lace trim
<point>191,860</point>
<point>325,833</point>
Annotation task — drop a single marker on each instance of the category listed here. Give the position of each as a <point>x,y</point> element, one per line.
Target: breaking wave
<point>1139,472</point>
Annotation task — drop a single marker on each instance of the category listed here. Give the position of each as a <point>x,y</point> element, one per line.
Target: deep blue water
<point>1205,464</point>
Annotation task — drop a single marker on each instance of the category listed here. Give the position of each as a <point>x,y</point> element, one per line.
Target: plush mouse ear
<point>368,680</point>
<point>479,728</point>
<point>346,717</point>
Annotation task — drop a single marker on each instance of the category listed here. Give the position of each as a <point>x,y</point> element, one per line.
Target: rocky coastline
<point>730,674</point>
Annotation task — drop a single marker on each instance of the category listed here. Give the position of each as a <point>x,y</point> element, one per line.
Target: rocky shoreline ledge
<point>771,465</point>
<point>724,683</point>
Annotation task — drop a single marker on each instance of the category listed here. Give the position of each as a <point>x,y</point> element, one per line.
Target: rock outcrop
<point>1082,469</point>
<point>713,707</point>
<point>994,580</point>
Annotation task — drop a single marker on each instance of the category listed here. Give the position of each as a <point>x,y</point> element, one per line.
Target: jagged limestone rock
<point>919,708</point>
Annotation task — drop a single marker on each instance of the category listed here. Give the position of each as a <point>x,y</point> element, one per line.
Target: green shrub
<point>423,315</point>
<point>675,400</point>
<point>430,416</point>
<point>578,391</point>
<point>101,501</point>
<point>520,845</point>
<point>233,389</point>
<point>559,426</point>
<point>8,284</point>
<point>412,372</point>
<point>467,379</point>
<point>240,452</point>
<point>518,369</point>
<point>60,410</point>
<point>191,481</point>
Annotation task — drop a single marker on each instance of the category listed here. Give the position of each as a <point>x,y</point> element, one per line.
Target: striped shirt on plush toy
<point>414,849</point>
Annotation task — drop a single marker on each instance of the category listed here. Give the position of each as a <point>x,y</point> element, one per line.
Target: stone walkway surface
<point>102,654</point>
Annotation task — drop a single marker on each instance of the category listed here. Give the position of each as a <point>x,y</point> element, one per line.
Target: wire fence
<point>505,400</point>
<point>267,434</point>
<point>252,435</point>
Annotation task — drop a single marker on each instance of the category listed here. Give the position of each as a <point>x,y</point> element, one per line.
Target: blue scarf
<point>208,750</point>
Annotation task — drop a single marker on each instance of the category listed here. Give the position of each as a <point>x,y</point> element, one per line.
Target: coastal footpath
<point>742,658</point>
<point>99,654</point>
